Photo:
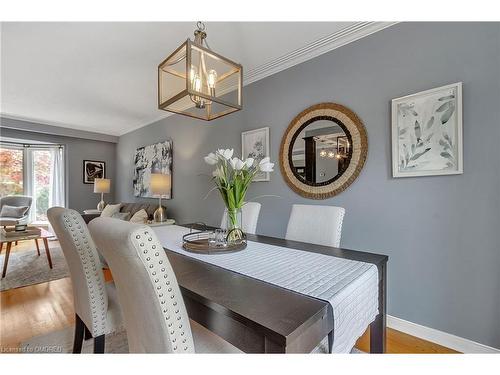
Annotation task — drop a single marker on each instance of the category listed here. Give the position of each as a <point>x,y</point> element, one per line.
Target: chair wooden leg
<point>1,247</point>
<point>47,251</point>
<point>6,259</point>
<point>37,247</point>
<point>79,331</point>
<point>99,344</point>
<point>16,243</point>
<point>88,335</point>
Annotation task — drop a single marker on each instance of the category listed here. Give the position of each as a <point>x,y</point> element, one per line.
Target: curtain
<point>57,193</point>
<point>28,181</point>
<point>57,196</point>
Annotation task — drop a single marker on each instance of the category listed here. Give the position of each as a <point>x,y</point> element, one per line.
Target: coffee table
<point>44,236</point>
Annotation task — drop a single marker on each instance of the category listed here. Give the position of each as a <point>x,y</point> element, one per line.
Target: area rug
<point>27,268</point>
<point>116,343</point>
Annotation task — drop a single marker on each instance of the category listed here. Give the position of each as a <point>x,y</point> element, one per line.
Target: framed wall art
<point>427,133</point>
<point>155,158</point>
<point>255,144</point>
<point>93,169</point>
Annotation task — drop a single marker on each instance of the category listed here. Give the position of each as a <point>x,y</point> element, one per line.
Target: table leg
<point>330,342</point>
<point>46,244</point>
<point>378,327</point>
<point>6,260</point>
<point>272,347</point>
<point>37,247</point>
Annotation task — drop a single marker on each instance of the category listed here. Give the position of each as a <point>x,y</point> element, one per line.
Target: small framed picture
<point>255,144</point>
<point>93,169</point>
<point>427,133</point>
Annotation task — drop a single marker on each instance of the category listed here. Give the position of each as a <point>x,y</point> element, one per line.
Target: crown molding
<point>37,125</point>
<point>316,48</point>
<point>162,116</point>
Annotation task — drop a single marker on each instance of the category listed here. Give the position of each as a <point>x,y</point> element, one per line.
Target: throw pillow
<point>13,211</point>
<point>110,209</point>
<point>121,216</point>
<point>139,217</point>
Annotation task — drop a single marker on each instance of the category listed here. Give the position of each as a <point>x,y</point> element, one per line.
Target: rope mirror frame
<point>352,123</point>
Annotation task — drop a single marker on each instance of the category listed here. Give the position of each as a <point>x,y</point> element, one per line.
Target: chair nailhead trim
<point>156,265</point>
<point>90,261</point>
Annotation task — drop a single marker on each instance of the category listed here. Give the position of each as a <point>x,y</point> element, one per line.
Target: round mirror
<point>320,152</point>
<point>323,150</point>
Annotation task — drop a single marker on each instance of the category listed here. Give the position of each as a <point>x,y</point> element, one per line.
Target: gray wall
<point>441,233</point>
<point>80,196</point>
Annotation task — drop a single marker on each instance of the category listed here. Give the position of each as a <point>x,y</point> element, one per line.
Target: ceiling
<point>101,77</point>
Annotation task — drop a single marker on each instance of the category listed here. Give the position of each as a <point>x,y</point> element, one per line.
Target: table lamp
<point>101,185</point>
<point>160,185</point>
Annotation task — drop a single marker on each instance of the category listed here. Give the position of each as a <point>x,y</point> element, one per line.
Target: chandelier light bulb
<point>331,154</point>
<point>196,83</point>
<point>322,153</point>
<point>212,78</point>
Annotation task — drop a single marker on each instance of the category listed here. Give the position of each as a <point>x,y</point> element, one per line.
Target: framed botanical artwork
<point>255,144</point>
<point>155,158</point>
<point>93,169</point>
<point>427,133</point>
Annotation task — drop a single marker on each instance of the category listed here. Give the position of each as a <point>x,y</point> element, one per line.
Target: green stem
<point>233,217</point>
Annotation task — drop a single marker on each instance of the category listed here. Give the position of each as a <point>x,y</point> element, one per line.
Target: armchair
<point>16,201</point>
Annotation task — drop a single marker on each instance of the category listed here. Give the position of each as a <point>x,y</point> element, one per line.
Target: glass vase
<point>234,226</point>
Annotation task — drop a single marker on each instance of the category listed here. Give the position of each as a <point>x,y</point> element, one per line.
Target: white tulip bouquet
<point>232,178</point>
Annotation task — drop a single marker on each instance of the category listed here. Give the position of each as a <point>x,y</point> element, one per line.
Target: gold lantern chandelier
<point>197,82</point>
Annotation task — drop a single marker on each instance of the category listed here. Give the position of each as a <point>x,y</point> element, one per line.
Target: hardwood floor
<point>43,308</point>
<point>402,343</point>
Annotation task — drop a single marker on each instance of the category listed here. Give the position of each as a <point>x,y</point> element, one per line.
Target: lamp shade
<point>160,183</point>
<point>102,185</point>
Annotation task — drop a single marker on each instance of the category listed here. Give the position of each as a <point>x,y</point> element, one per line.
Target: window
<point>11,171</point>
<point>34,170</point>
<point>42,175</point>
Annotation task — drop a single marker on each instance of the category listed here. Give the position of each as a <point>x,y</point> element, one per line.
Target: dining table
<point>261,317</point>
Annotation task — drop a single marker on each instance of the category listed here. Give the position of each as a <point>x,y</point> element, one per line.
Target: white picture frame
<point>427,133</point>
<point>255,144</point>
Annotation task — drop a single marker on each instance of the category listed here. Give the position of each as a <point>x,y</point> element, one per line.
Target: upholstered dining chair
<point>96,307</point>
<point>321,225</point>
<point>250,216</point>
<point>154,313</point>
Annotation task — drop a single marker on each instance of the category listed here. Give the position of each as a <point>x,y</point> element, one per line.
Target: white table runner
<point>351,287</point>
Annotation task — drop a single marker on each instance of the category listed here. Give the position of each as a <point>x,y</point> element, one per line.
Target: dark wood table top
<point>279,314</point>
<point>377,259</point>
<point>276,312</point>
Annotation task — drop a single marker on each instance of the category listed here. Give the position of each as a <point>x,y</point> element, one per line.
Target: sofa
<point>128,207</point>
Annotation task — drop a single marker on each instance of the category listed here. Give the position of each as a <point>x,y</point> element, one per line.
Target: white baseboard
<point>439,337</point>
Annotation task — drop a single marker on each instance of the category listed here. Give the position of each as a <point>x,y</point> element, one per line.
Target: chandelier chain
<point>200,25</point>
